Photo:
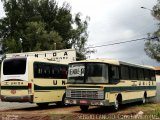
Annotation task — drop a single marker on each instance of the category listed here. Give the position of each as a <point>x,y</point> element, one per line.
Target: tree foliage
<point>33,25</point>
<point>152,46</point>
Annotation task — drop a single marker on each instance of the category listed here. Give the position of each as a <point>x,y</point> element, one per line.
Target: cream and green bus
<point>103,82</point>
<point>34,80</point>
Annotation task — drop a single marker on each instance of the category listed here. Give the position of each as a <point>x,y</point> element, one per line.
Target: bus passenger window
<point>47,71</point>
<point>124,72</point>
<point>64,72</point>
<point>157,72</point>
<point>50,71</point>
<point>140,74</point>
<point>153,76</point>
<point>133,73</point>
<point>114,74</point>
<point>147,74</point>
<point>36,70</point>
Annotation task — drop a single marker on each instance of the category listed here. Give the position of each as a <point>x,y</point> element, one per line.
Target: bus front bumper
<point>26,98</point>
<point>87,102</point>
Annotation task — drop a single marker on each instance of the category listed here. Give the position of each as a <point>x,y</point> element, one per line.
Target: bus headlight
<point>68,93</point>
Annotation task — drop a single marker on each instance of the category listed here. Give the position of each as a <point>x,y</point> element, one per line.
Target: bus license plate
<point>83,101</point>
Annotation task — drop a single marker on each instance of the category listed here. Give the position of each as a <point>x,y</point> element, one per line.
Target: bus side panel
<point>151,93</point>
<point>130,95</point>
<point>46,91</point>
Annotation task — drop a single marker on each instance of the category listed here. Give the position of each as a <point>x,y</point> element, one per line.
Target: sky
<point>115,21</point>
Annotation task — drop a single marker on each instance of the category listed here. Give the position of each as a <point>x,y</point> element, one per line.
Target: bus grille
<point>87,94</point>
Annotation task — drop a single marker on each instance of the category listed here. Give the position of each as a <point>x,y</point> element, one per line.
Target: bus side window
<point>36,70</point>
<point>124,72</point>
<point>52,71</point>
<point>64,72</point>
<point>55,71</point>
<point>133,73</point>
<point>147,74</point>
<point>153,76</point>
<point>140,74</point>
<point>157,72</point>
<point>114,74</point>
<point>47,69</point>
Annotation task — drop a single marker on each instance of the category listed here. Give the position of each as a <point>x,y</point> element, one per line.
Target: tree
<point>152,46</point>
<point>33,25</point>
<point>37,38</point>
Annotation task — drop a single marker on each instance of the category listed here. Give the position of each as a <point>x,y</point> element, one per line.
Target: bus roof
<point>115,62</point>
<point>109,61</point>
<point>34,59</point>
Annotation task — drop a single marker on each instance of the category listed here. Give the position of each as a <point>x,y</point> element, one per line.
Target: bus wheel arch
<point>119,98</point>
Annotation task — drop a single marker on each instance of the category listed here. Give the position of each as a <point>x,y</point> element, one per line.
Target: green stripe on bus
<point>14,87</point>
<point>36,87</point>
<point>119,88</point>
<point>128,88</point>
<point>84,86</point>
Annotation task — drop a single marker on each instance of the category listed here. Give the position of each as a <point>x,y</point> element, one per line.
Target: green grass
<point>156,112</point>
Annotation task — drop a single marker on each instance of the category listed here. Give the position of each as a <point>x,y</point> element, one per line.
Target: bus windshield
<point>14,66</point>
<point>88,73</point>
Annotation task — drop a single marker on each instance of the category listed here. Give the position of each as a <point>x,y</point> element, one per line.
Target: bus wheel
<point>116,105</point>
<point>84,108</point>
<point>61,103</point>
<point>144,99</point>
<point>42,105</point>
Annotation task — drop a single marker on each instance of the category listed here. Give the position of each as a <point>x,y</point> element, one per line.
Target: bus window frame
<point>132,70</point>
<point>114,80</point>
<point>14,59</point>
<point>139,76</point>
<point>50,65</point>
<point>128,75</point>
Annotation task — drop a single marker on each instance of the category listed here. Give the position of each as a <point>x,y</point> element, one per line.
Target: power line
<point>116,43</point>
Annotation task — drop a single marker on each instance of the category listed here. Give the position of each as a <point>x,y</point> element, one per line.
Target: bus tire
<point>84,108</point>
<point>144,99</point>
<point>61,103</point>
<point>116,106</point>
<point>42,105</point>
<point>117,103</point>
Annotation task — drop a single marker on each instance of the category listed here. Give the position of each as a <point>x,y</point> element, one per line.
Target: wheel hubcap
<point>116,104</point>
<point>144,100</point>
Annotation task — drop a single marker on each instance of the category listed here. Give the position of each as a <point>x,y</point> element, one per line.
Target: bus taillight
<point>29,88</point>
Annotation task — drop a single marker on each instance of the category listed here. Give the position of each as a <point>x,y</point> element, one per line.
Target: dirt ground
<point>128,111</point>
